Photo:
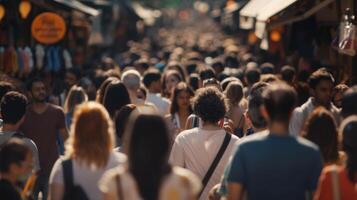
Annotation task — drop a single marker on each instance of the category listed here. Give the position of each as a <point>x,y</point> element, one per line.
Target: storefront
<point>42,35</point>
<point>308,29</point>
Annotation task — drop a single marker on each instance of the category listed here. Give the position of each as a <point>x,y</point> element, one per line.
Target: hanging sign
<point>48,28</point>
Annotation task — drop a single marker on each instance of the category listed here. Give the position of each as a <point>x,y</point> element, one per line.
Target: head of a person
<point>142,93</point>
<point>72,76</point>
<point>102,88</point>
<point>224,83</point>
<point>181,97</point>
<point>209,104</point>
<point>152,81</point>
<point>169,80</point>
<point>121,119</point>
<point>279,103</point>
<point>115,97</point>
<point>174,65</point>
<point>320,128</point>
<point>92,134</point>
<point>288,74</point>
<point>194,81</point>
<point>76,96</point>
<point>212,82</point>
<point>255,101</point>
<point>234,92</point>
<point>5,87</point>
<point>37,90</point>
<point>349,105</point>
<point>150,150</point>
<point>348,131</point>
<point>16,159</point>
<point>141,65</point>
<point>131,79</point>
<point>267,68</point>
<point>206,73</point>
<point>321,83</point>
<point>218,66</point>
<point>13,108</point>
<point>337,94</point>
<point>269,78</point>
<point>252,75</point>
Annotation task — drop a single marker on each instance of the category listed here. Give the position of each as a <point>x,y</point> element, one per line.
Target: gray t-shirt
<point>7,135</point>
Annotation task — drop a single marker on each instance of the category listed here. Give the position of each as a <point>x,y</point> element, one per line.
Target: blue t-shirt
<point>275,167</point>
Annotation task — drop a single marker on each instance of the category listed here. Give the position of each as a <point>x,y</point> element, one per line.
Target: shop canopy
<point>269,10</point>
<point>290,18</point>
<point>269,20</point>
<point>250,11</point>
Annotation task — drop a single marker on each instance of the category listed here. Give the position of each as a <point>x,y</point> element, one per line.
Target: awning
<point>250,11</point>
<point>271,9</point>
<point>74,4</point>
<point>292,19</point>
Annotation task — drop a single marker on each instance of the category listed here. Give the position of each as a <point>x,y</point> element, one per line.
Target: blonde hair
<point>76,95</point>
<point>92,135</point>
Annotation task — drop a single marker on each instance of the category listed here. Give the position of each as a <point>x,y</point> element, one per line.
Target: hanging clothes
<point>2,50</point>
<point>40,55</point>
<point>20,59</point>
<point>53,58</point>
<point>30,60</point>
<point>67,59</point>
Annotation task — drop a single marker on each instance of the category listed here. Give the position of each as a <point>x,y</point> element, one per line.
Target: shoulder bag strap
<point>67,174</point>
<point>335,183</point>
<point>119,189</point>
<point>215,162</point>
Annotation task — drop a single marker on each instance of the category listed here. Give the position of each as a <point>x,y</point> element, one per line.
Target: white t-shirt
<point>181,184</point>
<point>86,176</point>
<point>162,104</point>
<point>195,149</point>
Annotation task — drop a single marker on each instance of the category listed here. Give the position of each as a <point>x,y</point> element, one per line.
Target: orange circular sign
<point>48,28</point>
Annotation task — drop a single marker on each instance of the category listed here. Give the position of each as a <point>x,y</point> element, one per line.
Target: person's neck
<point>279,128</point>
<point>133,96</point>
<point>210,126</point>
<point>317,103</point>
<point>39,107</point>
<point>152,91</point>
<point>9,127</point>
<point>256,130</point>
<point>183,112</point>
<point>9,177</point>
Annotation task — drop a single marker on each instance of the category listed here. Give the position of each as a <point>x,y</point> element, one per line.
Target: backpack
<point>72,192</point>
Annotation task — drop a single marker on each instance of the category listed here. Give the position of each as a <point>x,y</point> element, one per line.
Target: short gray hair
<point>131,79</point>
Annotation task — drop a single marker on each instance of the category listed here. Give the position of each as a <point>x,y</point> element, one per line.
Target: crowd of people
<point>189,113</point>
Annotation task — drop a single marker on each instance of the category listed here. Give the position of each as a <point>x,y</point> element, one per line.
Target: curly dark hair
<point>209,104</point>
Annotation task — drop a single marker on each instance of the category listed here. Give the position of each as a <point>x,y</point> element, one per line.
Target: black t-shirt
<point>8,191</point>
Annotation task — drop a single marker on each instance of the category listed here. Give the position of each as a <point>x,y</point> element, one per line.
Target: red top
<point>347,189</point>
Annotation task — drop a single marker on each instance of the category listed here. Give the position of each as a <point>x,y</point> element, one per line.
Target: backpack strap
<point>335,183</point>
<point>119,188</point>
<point>195,121</point>
<point>215,162</point>
<point>67,174</point>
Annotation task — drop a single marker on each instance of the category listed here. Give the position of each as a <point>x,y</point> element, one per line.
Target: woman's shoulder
<point>187,178</point>
<point>116,158</point>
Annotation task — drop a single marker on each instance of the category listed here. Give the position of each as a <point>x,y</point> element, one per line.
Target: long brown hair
<point>76,96</point>
<point>180,87</point>
<point>321,129</point>
<point>92,135</point>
